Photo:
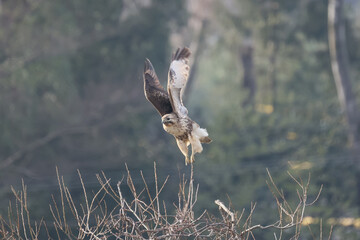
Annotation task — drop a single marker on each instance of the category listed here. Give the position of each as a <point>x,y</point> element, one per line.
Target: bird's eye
<point>168,119</point>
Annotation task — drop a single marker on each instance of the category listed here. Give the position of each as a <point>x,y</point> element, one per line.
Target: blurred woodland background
<point>275,82</point>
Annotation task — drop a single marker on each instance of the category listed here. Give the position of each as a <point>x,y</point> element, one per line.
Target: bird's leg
<point>196,147</point>
<point>192,159</point>
<point>184,149</point>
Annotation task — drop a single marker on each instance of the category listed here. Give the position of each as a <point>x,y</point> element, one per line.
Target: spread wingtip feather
<point>182,53</point>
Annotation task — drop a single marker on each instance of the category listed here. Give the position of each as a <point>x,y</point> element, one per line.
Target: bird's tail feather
<point>203,135</point>
<point>205,140</point>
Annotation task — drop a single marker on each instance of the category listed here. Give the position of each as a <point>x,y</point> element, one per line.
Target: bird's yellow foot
<point>192,159</point>
<point>187,160</point>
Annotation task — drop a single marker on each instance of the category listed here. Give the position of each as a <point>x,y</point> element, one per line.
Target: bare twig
<point>138,215</point>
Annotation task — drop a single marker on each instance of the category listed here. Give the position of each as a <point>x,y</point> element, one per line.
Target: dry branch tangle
<point>144,216</point>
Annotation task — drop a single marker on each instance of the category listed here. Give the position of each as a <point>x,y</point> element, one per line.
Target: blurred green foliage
<point>73,64</point>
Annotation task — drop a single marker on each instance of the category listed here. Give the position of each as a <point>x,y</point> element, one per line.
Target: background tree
<point>340,69</point>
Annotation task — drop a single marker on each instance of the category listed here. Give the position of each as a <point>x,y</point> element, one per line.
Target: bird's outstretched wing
<point>177,78</point>
<point>154,92</point>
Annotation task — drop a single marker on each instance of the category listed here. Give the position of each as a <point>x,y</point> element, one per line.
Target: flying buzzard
<point>169,104</point>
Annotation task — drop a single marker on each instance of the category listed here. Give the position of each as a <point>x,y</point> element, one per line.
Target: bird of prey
<point>169,104</point>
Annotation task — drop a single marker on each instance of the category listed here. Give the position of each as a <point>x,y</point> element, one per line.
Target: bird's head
<point>169,119</point>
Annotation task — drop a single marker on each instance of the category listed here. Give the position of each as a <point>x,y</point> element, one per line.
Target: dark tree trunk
<point>272,73</point>
<point>249,81</point>
<point>195,61</point>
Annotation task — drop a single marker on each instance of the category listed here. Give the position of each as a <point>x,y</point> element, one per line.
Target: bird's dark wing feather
<point>182,53</point>
<point>154,92</point>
